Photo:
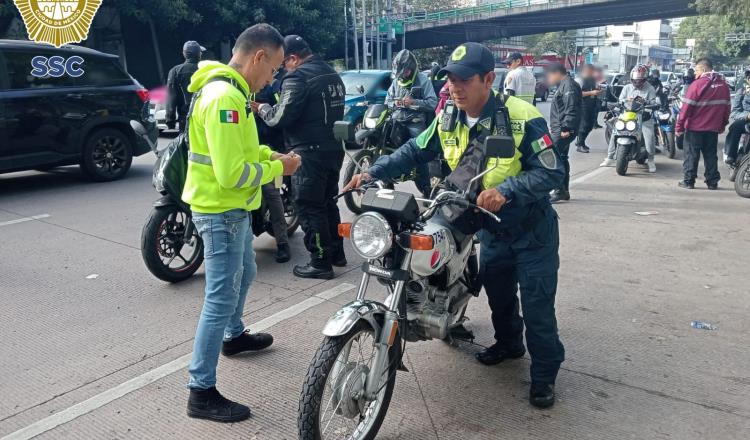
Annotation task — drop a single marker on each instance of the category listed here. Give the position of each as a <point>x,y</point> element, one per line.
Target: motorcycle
<point>666,118</point>
<point>740,174</point>
<point>382,134</point>
<point>430,271</point>
<point>171,247</point>
<point>626,125</point>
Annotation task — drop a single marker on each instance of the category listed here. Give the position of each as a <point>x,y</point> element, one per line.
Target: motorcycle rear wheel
<point>318,418</point>
<point>742,178</point>
<point>162,243</point>
<point>621,156</point>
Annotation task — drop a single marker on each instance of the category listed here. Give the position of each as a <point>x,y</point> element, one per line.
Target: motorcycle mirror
<point>501,147</point>
<point>416,92</point>
<point>343,131</point>
<point>138,128</point>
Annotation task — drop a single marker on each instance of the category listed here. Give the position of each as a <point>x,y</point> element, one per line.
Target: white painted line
<point>589,175</point>
<point>25,219</point>
<point>149,377</point>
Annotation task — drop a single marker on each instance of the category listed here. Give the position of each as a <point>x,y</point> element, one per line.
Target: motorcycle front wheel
<point>621,165</point>
<point>331,406</point>
<point>166,253</point>
<point>742,178</point>
<point>364,158</point>
<point>669,144</point>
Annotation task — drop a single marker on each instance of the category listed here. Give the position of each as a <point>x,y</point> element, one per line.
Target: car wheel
<point>107,155</point>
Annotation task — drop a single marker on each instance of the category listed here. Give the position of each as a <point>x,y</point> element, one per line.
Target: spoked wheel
<point>332,404</point>
<point>742,178</point>
<point>364,158</point>
<point>168,256</point>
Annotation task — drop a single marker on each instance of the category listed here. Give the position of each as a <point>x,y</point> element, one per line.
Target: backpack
<point>170,169</point>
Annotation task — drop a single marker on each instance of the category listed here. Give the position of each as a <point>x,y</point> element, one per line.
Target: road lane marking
<point>589,175</point>
<point>25,219</point>
<point>149,377</point>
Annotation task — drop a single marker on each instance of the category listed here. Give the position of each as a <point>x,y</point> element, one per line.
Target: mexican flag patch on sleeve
<point>229,116</point>
<point>541,144</point>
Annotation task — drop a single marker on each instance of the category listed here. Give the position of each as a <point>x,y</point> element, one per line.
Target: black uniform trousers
<point>588,120</point>
<point>562,146</point>
<point>314,185</point>
<point>697,143</point>
<point>734,135</point>
<point>529,260</point>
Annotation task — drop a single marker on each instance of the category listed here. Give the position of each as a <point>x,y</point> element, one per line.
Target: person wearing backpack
<point>178,79</point>
<point>226,168</point>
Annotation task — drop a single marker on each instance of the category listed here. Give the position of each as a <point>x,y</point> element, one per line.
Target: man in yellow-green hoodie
<point>226,168</point>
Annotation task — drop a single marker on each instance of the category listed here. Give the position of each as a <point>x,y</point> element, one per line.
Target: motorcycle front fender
<point>165,201</point>
<point>349,315</point>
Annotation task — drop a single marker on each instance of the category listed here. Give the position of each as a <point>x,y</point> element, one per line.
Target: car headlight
<point>620,125</point>
<point>371,235</point>
<point>630,125</point>
<point>371,122</point>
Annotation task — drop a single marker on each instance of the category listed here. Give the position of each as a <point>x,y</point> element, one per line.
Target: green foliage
<point>558,42</point>
<point>739,9</point>
<point>709,32</point>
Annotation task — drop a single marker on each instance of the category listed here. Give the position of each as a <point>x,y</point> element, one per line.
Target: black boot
<point>542,395</point>
<point>211,405</point>
<point>559,195</point>
<point>246,342</point>
<point>283,253</point>
<point>311,271</point>
<point>686,185</point>
<point>496,354</point>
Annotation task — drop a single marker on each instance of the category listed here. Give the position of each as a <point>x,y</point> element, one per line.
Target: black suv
<point>79,114</point>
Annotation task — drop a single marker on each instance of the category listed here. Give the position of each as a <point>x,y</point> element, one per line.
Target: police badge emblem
<point>57,22</point>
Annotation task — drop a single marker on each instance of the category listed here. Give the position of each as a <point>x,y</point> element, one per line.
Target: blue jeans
<point>230,269</point>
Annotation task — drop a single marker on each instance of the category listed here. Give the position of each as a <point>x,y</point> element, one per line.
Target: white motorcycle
<point>429,270</point>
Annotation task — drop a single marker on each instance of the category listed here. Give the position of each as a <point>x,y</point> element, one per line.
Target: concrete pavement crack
<point>421,393</point>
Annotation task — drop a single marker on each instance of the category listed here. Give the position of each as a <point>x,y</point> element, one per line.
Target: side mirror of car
<point>343,131</point>
<point>501,147</point>
<point>416,92</point>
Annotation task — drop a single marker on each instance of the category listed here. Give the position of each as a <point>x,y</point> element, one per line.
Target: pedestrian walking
<point>589,106</point>
<point>704,114</point>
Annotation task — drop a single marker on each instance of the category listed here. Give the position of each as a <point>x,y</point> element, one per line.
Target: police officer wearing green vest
<point>522,250</point>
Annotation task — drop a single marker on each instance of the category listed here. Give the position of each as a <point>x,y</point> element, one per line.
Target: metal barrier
<point>474,10</point>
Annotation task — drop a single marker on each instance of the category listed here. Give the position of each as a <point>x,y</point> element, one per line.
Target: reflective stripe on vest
<point>199,158</point>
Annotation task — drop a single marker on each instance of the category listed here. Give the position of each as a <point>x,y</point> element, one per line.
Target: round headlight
<point>630,125</point>
<point>620,125</point>
<point>371,235</point>
<point>371,122</point>
<point>664,116</point>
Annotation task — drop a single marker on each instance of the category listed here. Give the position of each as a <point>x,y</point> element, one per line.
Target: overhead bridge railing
<point>473,11</point>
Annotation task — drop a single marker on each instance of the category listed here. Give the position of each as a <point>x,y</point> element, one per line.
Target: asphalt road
<point>94,347</point>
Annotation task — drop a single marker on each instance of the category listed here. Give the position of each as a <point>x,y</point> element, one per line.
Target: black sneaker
<point>542,395</point>
<point>686,185</point>
<point>246,342</point>
<point>583,149</point>
<point>495,354</point>
<point>712,186</point>
<point>211,405</point>
<point>310,271</point>
<point>283,253</point>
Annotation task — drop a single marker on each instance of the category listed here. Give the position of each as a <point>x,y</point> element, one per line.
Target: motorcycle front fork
<point>388,332</point>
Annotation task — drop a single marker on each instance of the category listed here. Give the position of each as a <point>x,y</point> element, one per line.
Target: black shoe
<point>597,126</point>
<point>496,354</point>
<point>559,195</point>
<point>211,405</point>
<point>686,185</point>
<point>731,163</point>
<point>712,186</point>
<point>283,253</point>
<point>583,149</point>
<point>542,395</point>
<point>339,259</point>
<point>246,342</point>
<point>310,271</point>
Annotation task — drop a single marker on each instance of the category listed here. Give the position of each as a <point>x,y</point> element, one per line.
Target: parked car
<point>670,79</point>
<point>363,87</point>
<point>730,76</point>
<point>158,106</point>
<point>48,121</point>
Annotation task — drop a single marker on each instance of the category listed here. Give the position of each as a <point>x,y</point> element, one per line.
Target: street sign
<point>396,26</point>
<point>735,37</point>
<point>690,42</point>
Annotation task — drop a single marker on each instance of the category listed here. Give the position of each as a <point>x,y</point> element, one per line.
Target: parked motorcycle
<point>430,272</point>
<point>171,247</point>
<point>666,118</point>
<point>740,174</point>
<point>627,128</point>
<point>383,133</point>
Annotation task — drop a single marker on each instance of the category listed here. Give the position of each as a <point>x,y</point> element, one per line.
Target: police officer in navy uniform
<point>522,250</point>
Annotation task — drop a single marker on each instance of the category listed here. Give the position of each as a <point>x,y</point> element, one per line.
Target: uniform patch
<point>548,159</point>
<point>450,142</point>
<point>542,143</point>
<point>229,116</point>
<point>486,123</point>
<point>518,126</point>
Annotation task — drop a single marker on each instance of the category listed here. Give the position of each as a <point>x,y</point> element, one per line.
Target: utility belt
<point>316,148</point>
<point>536,215</point>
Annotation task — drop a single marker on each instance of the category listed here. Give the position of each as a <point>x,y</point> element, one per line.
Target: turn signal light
<point>420,242</point>
<point>345,230</point>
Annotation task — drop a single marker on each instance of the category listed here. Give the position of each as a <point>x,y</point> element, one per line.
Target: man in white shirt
<point>519,82</point>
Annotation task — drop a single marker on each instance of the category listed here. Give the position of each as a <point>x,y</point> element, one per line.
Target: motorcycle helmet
<point>654,73</point>
<point>689,76</point>
<point>638,75</point>
<point>404,68</point>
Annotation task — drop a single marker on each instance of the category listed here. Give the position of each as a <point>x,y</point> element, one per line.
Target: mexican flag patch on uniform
<point>542,143</point>
<point>229,116</point>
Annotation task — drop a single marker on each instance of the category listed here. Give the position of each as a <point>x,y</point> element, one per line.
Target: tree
<point>560,43</point>
<point>708,32</point>
<point>739,9</point>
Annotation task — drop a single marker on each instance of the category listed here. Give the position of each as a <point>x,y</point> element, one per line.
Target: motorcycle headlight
<point>619,125</point>
<point>370,122</point>
<point>664,116</point>
<point>630,125</point>
<point>371,235</point>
